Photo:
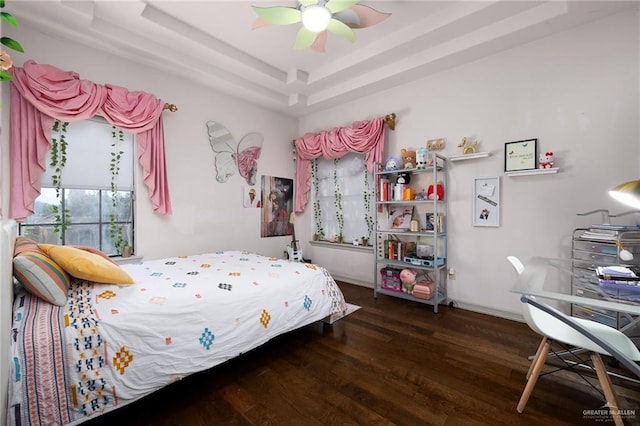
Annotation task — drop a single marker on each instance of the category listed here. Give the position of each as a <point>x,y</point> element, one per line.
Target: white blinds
<point>89,157</point>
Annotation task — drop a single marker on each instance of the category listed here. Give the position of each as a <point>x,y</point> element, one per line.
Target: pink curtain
<point>365,137</point>
<point>42,93</point>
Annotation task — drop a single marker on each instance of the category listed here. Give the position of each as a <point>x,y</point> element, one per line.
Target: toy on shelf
<point>468,148</point>
<point>435,192</point>
<point>408,278</point>
<point>408,158</point>
<point>420,196</point>
<point>392,163</point>
<point>422,158</point>
<point>422,289</point>
<point>436,144</point>
<point>546,160</point>
<point>403,178</point>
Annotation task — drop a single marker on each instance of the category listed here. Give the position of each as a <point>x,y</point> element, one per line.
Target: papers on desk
<point>619,273</point>
<point>606,232</point>
<point>621,282</point>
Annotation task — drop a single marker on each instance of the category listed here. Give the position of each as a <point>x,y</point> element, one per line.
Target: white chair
<point>590,336</point>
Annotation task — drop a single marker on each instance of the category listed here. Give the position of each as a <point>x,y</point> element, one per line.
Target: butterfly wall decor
<point>232,155</point>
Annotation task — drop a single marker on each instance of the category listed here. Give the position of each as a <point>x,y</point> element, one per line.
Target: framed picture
<point>520,155</point>
<point>399,218</point>
<point>486,201</point>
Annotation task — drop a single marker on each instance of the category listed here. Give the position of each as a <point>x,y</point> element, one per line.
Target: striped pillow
<point>23,244</point>
<point>41,276</point>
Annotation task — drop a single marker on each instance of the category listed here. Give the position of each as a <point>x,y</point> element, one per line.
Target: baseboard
<point>353,281</point>
<point>460,305</point>
<point>489,311</point>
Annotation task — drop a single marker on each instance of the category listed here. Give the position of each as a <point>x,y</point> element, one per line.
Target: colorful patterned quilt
<point>111,345</point>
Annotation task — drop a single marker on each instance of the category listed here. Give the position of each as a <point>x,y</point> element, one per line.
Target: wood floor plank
<point>392,362</point>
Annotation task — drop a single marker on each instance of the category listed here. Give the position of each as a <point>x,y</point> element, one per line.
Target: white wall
<point>577,92</point>
<point>207,215</point>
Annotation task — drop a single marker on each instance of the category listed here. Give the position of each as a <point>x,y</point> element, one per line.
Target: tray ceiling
<point>213,42</point>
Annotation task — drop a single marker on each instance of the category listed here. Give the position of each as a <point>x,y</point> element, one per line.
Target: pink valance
<point>40,94</point>
<point>365,137</point>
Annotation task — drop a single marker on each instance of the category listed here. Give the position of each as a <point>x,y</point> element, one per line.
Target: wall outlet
<point>452,274</point>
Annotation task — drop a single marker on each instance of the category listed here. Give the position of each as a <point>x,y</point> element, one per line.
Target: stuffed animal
<point>403,178</point>
<point>436,192</point>
<point>408,278</point>
<point>421,158</point>
<point>393,163</point>
<point>408,159</point>
<point>546,160</point>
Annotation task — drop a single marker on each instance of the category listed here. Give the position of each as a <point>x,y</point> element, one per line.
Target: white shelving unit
<point>433,267</point>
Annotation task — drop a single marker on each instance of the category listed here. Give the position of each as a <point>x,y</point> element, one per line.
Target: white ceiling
<point>213,42</point>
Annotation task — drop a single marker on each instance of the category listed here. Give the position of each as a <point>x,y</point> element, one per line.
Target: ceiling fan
<point>318,17</point>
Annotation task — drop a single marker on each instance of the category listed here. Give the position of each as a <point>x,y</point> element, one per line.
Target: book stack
<point>398,250</point>
<point>386,188</point>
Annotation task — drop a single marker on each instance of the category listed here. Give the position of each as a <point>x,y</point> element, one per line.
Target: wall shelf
<point>533,172</point>
<point>469,156</point>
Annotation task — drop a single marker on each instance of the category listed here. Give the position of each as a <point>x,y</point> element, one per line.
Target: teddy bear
<point>392,163</point>
<point>421,158</point>
<point>546,160</point>
<point>408,158</point>
<point>408,278</point>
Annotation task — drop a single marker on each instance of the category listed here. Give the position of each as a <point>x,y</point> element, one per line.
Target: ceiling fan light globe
<point>315,18</point>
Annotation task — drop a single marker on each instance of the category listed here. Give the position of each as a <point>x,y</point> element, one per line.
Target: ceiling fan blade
<point>320,42</point>
<point>336,6</point>
<point>360,16</point>
<point>304,39</point>
<point>279,15</point>
<point>341,29</point>
<point>307,2</point>
<point>259,23</point>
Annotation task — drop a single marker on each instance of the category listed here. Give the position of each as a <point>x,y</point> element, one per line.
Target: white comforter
<point>183,315</point>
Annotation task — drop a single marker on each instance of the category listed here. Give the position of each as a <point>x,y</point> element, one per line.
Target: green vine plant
<point>317,211</point>
<point>58,161</point>
<point>338,198</point>
<point>116,232</point>
<point>368,196</point>
<point>5,59</point>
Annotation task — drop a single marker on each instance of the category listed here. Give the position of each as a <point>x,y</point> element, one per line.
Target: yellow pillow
<point>86,265</point>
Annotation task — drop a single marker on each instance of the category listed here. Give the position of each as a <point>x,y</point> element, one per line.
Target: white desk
<point>541,272</point>
<point>534,281</point>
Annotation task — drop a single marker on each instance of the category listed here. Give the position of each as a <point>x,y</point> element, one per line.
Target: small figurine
<point>436,144</point>
<point>546,160</point>
<point>420,196</point>
<point>421,158</point>
<point>468,148</point>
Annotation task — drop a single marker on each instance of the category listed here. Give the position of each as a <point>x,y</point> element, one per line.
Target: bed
<point>110,345</point>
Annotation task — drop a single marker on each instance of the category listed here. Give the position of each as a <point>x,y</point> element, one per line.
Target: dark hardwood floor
<point>393,362</point>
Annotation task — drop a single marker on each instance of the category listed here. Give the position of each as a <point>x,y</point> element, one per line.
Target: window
<point>93,203</point>
<point>343,198</point>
